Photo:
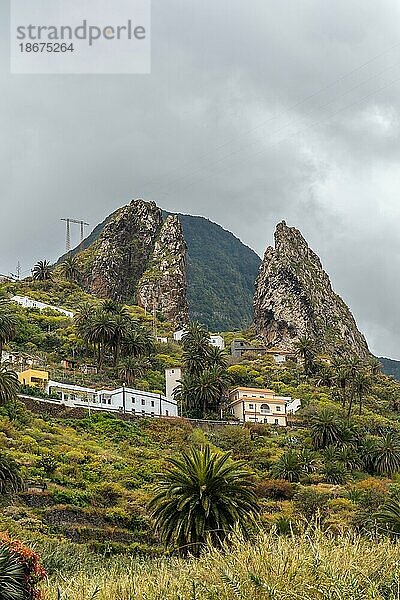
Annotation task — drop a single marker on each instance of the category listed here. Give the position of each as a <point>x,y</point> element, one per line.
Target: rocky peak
<point>138,257</point>
<point>294,297</point>
<point>123,250</point>
<point>163,286</point>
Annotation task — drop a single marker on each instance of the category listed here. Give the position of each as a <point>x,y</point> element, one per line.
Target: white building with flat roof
<point>123,399</point>
<point>30,303</point>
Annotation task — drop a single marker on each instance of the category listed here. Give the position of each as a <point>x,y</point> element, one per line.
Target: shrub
<point>310,502</point>
<point>276,489</point>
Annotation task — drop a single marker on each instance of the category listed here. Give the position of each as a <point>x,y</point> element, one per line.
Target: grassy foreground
<point>314,566</point>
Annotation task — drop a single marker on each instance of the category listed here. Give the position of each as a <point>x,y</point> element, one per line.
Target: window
<point>251,406</point>
<point>278,409</point>
<point>133,399</point>
<point>152,402</point>
<point>152,414</point>
<point>143,402</point>
<point>143,413</point>
<point>109,401</point>
<point>276,421</point>
<point>166,413</point>
<point>264,408</point>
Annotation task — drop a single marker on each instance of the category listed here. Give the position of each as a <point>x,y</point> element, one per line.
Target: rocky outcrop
<point>294,298</point>
<point>163,286</point>
<point>139,258</point>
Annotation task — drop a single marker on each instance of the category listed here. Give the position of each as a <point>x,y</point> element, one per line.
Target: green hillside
<point>390,367</point>
<point>221,275</point>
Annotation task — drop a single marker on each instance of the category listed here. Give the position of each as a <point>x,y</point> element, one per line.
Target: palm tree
<point>70,269</point>
<point>342,378</point>
<point>334,472</point>
<point>42,271</point>
<point>354,365</point>
<point>8,324</point>
<point>10,478</point>
<point>362,384</point>
<point>12,575</point>
<point>99,331</point>
<point>196,348</point>
<point>388,516</point>
<point>9,385</point>
<point>305,348</point>
<point>200,498</point>
<point>288,466</point>
<point>203,394</point>
<point>216,357</point>
<point>387,454</point>
<point>326,429</point>
<point>120,330</point>
<point>133,367</point>
<point>138,342</point>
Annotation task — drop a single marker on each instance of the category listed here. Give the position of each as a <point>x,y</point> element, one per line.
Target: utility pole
<point>68,232</point>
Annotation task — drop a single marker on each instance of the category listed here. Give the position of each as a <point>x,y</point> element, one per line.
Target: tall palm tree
<point>196,348</point>
<point>362,384</point>
<point>341,376</point>
<point>9,385</point>
<point>354,366</point>
<point>387,454</point>
<point>326,429</point>
<point>100,331</point>
<point>305,348</point>
<point>198,396</point>
<point>42,271</point>
<point>70,269</point>
<point>120,331</point>
<point>216,357</point>
<point>8,324</point>
<point>200,498</point>
<point>133,367</point>
<point>138,341</point>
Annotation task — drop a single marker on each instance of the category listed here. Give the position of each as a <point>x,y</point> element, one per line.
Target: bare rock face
<point>140,258</point>
<point>163,286</point>
<point>294,298</point>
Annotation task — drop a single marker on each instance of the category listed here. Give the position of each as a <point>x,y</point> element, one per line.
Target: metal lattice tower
<point>68,232</point>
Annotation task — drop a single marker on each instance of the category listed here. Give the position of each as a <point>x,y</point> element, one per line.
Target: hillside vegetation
<point>335,469</point>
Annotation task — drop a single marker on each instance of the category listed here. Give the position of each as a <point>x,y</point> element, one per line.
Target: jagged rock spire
<point>294,297</point>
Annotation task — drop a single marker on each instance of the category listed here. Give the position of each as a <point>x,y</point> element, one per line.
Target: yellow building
<point>34,378</point>
<point>254,405</point>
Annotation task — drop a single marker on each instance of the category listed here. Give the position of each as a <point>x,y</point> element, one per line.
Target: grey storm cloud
<point>253,113</point>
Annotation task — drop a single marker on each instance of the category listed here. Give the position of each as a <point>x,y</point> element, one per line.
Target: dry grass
<point>309,567</point>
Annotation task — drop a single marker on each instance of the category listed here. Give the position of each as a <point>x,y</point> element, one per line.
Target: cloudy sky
<point>254,112</point>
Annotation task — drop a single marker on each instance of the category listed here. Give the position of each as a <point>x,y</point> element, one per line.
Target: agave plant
<point>12,577</point>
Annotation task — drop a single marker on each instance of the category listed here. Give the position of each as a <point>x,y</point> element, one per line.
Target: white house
<point>30,303</point>
<point>178,335</point>
<point>254,405</point>
<point>123,399</point>
<point>217,341</point>
<point>293,406</point>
